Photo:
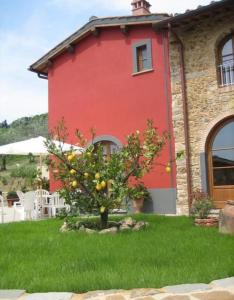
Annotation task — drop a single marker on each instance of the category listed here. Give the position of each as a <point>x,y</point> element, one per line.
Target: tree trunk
<point>104,219</point>
<point>3,163</point>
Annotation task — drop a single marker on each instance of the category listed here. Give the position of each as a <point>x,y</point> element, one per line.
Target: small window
<point>142,59</point>
<point>226,61</point>
<point>109,148</point>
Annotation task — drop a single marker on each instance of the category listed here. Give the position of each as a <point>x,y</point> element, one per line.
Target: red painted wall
<point>94,87</point>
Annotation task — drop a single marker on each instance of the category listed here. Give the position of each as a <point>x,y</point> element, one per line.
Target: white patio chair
<point>42,201</point>
<point>25,205</point>
<point>2,208</point>
<point>18,206</point>
<point>42,193</point>
<point>57,203</point>
<point>21,199</point>
<point>29,205</point>
<point>7,214</point>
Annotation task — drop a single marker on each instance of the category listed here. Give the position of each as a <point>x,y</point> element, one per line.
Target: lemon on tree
<point>71,156</point>
<point>98,187</point>
<point>103,184</point>
<point>74,184</point>
<point>102,209</point>
<point>168,168</point>
<point>97,176</point>
<point>89,154</point>
<point>73,172</point>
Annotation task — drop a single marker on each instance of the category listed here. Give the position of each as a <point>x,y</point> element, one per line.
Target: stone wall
<point>207,101</point>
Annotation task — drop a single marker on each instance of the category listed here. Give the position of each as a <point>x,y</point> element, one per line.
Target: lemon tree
<point>96,183</point>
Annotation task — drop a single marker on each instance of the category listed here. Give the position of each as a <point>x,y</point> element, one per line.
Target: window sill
<point>226,88</point>
<point>143,72</point>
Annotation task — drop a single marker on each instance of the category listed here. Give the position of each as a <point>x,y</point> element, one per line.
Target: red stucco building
<point>113,74</point>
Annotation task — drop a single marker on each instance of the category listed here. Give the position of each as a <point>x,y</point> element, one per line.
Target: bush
<point>24,172</point>
<point>42,182</point>
<point>4,180</point>
<point>202,204</point>
<point>96,183</point>
<point>139,191</point>
<point>12,195</point>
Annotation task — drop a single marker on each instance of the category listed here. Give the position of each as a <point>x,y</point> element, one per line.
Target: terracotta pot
<point>226,218</point>
<point>209,222</point>
<point>10,201</point>
<point>138,205</point>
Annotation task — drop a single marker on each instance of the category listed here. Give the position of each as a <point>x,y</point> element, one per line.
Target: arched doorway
<point>108,148</point>
<point>109,143</point>
<point>220,158</point>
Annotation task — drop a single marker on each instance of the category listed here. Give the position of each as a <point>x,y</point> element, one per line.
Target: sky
<point>30,28</point>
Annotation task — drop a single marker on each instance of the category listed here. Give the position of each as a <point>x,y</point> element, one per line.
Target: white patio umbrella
<point>36,146</point>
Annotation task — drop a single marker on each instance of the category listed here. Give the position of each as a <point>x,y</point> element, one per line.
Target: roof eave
<point>179,19</point>
<point>40,66</point>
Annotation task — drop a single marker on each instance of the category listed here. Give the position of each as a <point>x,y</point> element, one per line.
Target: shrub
<point>42,182</point>
<point>12,195</point>
<point>24,172</point>
<point>96,183</point>
<point>4,180</point>
<point>202,204</point>
<point>31,158</point>
<point>138,191</point>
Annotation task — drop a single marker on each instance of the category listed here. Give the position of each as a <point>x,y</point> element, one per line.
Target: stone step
<point>222,289</point>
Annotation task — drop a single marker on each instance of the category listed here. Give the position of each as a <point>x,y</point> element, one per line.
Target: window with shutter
<point>142,58</point>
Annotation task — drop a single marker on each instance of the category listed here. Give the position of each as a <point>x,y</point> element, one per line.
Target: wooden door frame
<point>209,159</point>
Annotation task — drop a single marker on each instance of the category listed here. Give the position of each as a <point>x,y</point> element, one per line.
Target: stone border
<point>216,290</point>
<point>211,125</point>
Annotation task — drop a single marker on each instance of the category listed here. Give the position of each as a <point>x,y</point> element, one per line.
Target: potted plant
<point>138,194</point>
<point>201,207</point>
<point>11,198</point>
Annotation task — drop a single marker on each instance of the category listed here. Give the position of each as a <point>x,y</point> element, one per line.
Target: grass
<point>35,256</point>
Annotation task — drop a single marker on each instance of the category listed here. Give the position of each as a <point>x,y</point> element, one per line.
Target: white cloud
<point>76,6</point>
<point>170,6</point>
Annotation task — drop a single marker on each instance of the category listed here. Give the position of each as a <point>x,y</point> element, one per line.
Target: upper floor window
<point>142,56</point>
<point>226,67</point>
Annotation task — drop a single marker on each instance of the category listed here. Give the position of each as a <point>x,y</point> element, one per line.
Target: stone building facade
<point>194,48</point>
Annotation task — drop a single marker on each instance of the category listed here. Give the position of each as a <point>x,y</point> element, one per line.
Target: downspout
<point>185,115</point>
<point>42,76</point>
<point>168,101</point>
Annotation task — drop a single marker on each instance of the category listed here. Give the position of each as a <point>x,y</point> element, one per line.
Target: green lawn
<point>35,256</point>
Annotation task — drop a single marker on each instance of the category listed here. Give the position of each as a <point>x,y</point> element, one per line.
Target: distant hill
<point>24,128</point>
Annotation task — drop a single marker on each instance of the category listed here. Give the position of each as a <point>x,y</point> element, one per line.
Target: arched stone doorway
<point>109,143</point>
<point>108,147</point>
<point>220,162</point>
